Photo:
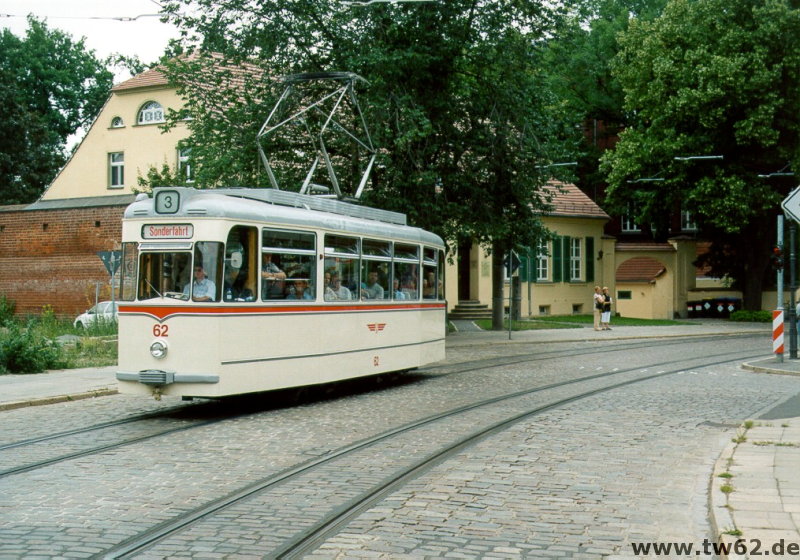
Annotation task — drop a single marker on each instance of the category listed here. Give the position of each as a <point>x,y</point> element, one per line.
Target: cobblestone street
<point>582,480</point>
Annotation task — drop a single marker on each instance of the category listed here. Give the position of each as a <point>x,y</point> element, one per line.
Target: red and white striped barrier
<point>777,332</point>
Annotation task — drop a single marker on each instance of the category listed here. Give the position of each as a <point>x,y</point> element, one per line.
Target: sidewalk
<point>755,491</point>
<point>761,464</point>
<point>17,391</point>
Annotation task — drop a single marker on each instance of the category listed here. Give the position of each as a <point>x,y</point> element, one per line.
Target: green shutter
<point>558,259</point>
<point>566,252</point>
<point>590,259</point>
<point>524,265</point>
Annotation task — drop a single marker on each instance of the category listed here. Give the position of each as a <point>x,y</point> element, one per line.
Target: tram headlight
<point>158,349</point>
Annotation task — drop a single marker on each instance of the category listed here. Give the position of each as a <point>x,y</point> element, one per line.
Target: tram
<point>233,291</point>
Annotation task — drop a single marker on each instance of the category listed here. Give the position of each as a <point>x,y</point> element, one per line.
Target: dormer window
<point>117,122</point>
<point>151,113</point>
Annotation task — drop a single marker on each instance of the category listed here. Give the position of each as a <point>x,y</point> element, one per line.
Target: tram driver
<point>202,288</point>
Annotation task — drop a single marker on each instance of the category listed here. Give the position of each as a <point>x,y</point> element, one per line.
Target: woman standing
<point>598,307</point>
<point>606,317</point>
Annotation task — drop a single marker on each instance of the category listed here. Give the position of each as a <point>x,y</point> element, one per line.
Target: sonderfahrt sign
<point>791,205</point>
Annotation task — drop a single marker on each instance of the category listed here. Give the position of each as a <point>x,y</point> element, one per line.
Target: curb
<point>587,338</point>
<point>58,399</point>
<point>764,369</point>
<point>719,513</point>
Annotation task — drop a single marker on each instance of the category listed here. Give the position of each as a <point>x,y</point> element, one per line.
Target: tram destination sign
<point>167,231</point>
<point>791,205</point>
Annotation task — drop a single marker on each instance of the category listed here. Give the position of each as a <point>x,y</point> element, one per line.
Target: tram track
<point>268,491</point>
<point>218,409</point>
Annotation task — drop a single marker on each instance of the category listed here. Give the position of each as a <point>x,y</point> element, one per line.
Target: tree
<point>711,77</point>
<point>50,86</point>
<point>457,101</point>
<point>578,62</point>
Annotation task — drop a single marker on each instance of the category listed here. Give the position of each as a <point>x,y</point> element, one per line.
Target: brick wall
<point>49,257</point>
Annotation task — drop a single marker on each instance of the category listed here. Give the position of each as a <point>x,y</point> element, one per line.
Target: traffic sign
<point>791,205</point>
<point>511,262</point>
<point>111,260</point>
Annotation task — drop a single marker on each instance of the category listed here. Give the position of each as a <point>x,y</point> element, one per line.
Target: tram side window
<point>241,250</point>
<point>440,275</point>
<point>375,269</point>
<point>206,272</point>
<point>163,274</point>
<point>288,265</point>
<point>341,268</point>
<point>406,269</point>
<point>127,272</point>
<point>431,282</point>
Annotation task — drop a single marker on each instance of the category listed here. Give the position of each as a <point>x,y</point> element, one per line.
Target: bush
<point>7,308</point>
<point>23,350</point>
<point>752,316</point>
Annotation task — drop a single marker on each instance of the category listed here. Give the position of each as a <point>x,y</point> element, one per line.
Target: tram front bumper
<point>160,377</point>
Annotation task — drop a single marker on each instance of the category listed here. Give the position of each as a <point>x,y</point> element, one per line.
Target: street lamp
<point>693,158</point>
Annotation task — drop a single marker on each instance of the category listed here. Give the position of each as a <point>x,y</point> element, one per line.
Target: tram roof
<point>283,208</point>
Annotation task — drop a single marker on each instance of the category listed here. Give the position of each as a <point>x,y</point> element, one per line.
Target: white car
<point>103,311</point>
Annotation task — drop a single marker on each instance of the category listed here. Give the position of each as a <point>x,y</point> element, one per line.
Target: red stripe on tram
<point>162,313</point>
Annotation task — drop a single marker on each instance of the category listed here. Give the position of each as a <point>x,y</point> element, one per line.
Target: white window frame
<point>687,221</point>
<point>628,222</point>
<point>543,260</point>
<point>575,259</point>
<point>116,170</point>
<point>117,122</point>
<point>151,113</point>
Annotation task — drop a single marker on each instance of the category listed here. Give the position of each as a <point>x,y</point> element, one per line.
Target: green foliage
<point>165,177</point>
<point>457,102</point>
<point>751,316</point>
<point>50,86</point>
<point>7,309</point>
<point>24,350</point>
<point>710,77</point>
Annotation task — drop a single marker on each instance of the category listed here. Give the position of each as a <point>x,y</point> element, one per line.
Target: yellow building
<point>557,278</point>
<point>125,140</point>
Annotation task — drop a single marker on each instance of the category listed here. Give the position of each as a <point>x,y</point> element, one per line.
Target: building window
<point>116,170</point>
<point>185,167</point>
<point>687,221</point>
<point>117,122</point>
<point>544,310</point>
<point>575,259</point>
<point>624,294</point>
<point>542,261</point>
<point>150,113</point>
<point>629,224</point>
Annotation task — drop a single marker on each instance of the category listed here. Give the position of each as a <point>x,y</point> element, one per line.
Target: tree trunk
<point>498,301</point>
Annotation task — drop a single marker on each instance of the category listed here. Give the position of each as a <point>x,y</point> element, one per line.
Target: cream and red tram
<point>235,291</point>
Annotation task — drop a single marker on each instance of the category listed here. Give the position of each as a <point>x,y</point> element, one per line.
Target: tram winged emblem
<point>376,327</point>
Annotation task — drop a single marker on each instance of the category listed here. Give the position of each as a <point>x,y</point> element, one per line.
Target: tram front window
<point>164,274</point>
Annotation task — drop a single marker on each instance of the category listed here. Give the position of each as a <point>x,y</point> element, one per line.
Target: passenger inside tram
<point>300,290</point>
<point>335,291</point>
<point>273,278</point>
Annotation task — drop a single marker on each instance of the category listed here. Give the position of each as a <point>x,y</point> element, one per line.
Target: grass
<point>575,322</point>
<point>619,321</point>
<point>486,324</point>
<point>36,343</point>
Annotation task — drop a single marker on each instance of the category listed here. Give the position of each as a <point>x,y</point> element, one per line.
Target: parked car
<point>103,311</point>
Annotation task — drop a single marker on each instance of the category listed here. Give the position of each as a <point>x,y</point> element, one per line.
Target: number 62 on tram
<point>234,291</point>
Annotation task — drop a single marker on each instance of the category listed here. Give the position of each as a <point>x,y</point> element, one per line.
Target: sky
<point>145,37</point>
